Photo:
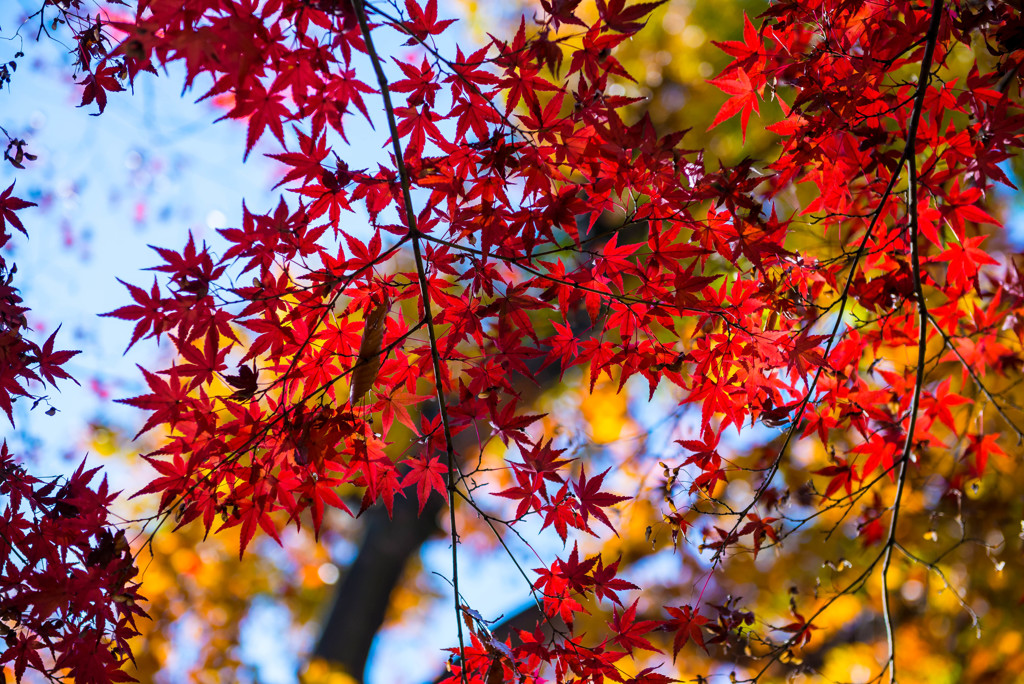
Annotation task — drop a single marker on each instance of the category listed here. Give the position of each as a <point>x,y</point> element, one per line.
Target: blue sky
<point>145,172</point>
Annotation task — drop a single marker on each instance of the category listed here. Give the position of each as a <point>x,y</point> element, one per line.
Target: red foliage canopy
<point>503,161</point>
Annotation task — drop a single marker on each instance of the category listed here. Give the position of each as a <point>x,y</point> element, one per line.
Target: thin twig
<point>410,217</point>
<point>948,341</point>
<point>922,311</point>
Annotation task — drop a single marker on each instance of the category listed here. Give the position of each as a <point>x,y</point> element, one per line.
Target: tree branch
<point>410,217</point>
<point>922,311</point>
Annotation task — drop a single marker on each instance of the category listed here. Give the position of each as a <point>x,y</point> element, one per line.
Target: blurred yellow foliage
<point>319,671</point>
<point>604,412</point>
<point>200,591</point>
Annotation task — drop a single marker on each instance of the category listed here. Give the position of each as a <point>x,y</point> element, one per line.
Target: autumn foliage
<point>836,298</point>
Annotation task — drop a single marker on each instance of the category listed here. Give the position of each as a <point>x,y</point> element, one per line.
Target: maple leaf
<point>576,572</point>
<point>525,493</point>
<point>965,260</point>
<point>843,475</point>
<point>423,21</point>
<point>556,591</point>
<point>562,513</point>
<point>629,632</point>
<point>980,447</point>
<point>881,451</point>
<point>511,426</point>
<point>427,476</point>
<point>686,623</point>
<point>249,518</point>
<point>544,462</point>
<point>202,365</point>
<point>322,491</point>
<point>148,311</point>
<point>624,19</point>
<point>97,84</point>
<point>22,653</point>
<point>960,206</point>
<point>743,99</point>
<point>800,629</point>
<point>381,481</point>
<point>307,164</point>
<point>264,110</point>
<point>804,353</point>
<point>245,383</point>
<point>166,402</point>
<point>760,528</point>
<point>592,500</point>
<point>50,361</point>
<point>174,478</point>
<point>746,49</point>
<point>8,205</point>
<point>605,582</point>
<point>650,675</point>
<point>562,12</point>
<point>943,401</point>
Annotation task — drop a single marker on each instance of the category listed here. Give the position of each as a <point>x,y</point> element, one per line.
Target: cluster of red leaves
<point>503,167</point>
<point>68,595</point>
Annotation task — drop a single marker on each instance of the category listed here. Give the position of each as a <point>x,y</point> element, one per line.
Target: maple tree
<point>837,298</point>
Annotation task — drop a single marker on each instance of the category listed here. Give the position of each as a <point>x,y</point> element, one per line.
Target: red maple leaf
<point>743,98</point>
<point>592,499</point>
<point>426,475</point>
<point>8,205</point>
<point>686,623</point>
<point>629,632</point>
<point>624,19</point>
<point>98,84</point>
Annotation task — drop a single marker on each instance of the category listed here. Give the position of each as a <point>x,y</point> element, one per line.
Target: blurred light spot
<point>694,36</point>
<point>133,161</point>
<point>672,96</point>
<point>66,189</point>
<point>674,22</point>
<point>37,120</point>
<point>217,616</point>
<point>912,590</point>
<point>1010,643</point>
<point>216,219</point>
<point>328,572</point>
<point>103,440</point>
<point>705,69</point>
<point>739,492</point>
<point>860,674</point>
